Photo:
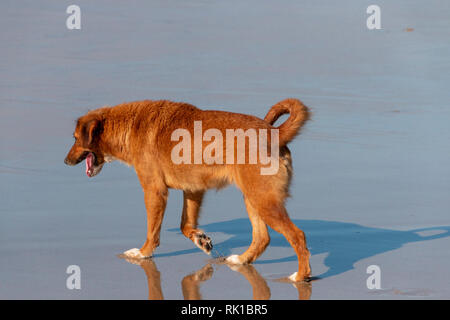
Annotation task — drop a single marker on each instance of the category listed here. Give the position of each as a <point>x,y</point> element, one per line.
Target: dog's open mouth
<point>90,165</point>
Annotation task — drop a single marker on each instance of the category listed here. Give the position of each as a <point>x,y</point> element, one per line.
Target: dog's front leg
<point>191,208</point>
<point>155,203</point>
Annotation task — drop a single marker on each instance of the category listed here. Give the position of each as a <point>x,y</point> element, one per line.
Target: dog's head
<point>87,144</point>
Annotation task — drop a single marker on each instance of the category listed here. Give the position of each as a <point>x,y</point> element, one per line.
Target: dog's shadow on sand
<point>345,243</point>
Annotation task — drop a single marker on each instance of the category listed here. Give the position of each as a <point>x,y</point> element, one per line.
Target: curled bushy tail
<point>298,115</point>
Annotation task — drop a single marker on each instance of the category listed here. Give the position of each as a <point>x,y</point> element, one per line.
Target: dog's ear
<point>92,130</point>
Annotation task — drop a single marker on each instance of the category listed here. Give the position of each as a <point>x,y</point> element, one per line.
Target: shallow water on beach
<point>371,168</point>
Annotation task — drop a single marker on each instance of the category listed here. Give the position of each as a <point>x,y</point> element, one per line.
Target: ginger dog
<point>141,134</point>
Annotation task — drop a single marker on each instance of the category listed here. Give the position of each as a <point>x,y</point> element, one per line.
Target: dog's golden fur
<point>139,134</point>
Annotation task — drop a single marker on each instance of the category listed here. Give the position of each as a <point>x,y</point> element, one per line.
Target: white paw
<point>234,259</point>
<point>134,253</point>
<point>293,277</point>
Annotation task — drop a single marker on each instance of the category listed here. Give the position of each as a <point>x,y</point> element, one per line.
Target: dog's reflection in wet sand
<point>153,276</point>
<point>261,290</point>
<point>190,285</point>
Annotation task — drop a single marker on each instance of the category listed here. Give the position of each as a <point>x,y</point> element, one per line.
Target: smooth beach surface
<point>371,169</point>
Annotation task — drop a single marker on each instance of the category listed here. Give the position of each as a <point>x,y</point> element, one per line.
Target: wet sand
<point>371,168</point>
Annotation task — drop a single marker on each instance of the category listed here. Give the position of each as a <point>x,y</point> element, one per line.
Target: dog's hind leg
<point>273,213</point>
<point>276,217</point>
<point>260,238</point>
<point>191,208</point>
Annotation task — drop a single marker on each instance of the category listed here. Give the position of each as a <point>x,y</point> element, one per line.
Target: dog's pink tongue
<point>89,163</point>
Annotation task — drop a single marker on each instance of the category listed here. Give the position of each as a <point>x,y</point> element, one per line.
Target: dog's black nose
<point>66,161</point>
